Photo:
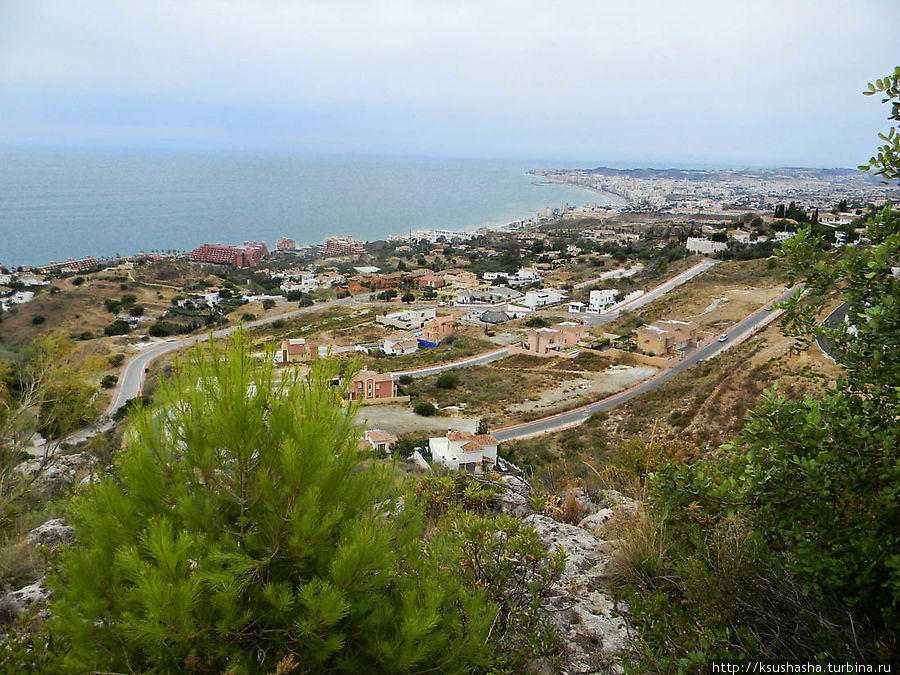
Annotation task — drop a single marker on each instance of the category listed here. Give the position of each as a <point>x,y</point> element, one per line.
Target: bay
<point>56,205</point>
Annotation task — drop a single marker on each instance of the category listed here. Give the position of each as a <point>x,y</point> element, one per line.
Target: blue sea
<point>56,205</point>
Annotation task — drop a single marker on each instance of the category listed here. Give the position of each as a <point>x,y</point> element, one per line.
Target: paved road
<point>477,360</point>
<point>131,380</point>
<point>736,334</point>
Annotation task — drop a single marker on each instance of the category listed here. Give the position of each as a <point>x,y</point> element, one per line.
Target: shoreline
<point>617,200</point>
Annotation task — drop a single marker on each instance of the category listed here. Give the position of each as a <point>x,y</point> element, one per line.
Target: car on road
<point>723,337</point>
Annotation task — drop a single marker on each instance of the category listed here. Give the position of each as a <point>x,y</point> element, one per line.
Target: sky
<point>589,82</point>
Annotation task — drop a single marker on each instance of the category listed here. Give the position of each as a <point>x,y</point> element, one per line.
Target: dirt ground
<point>402,420</point>
<point>714,300</point>
<point>521,387</point>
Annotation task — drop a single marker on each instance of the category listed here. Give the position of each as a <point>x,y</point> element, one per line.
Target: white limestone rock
<point>52,533</point>
<point>580,605</point>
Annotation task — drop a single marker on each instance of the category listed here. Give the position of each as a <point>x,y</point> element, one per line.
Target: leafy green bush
<point>447,380</point>
<point>424,408</point>
<point>109,381</point>
<point>38,319</point>
<point>117,327</point>
<point>268,304</point>
<point>536,322</point>
<point>163,329</point>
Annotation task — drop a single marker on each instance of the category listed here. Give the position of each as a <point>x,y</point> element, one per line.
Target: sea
<point>61,204</point>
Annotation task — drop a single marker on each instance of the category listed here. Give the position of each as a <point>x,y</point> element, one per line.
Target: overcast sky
<point>591,82</point>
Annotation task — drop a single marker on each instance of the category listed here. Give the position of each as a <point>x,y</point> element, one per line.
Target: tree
<point>268,303</point>
<point>886,162</point>
<point>408,297</point>
<point>43,393</point>
<point>240,532</point>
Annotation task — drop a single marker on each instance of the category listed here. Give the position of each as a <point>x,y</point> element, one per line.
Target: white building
<point>399,344</point>
<point>601,299</point>
<point>17,298</point>
<point>408,319</point>
<point>463,450</point>
<point>704,246</point>
<point>379,440</point>
<point>542,298</point>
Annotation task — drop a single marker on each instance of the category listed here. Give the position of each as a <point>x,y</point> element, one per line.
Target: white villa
<point>461,450</point>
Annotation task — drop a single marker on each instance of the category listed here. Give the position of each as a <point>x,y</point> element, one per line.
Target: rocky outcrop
<point>15,603</point>
<point>513,500</point>
<point>580,605</point>
<point>59,474</point>
<point>52,534</point>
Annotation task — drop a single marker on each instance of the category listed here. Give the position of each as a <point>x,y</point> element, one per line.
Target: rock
<point>619,503</point>
<point>584,501</point>
<point>580,606</point>
<point>513,500</point>
<point>595,520</point>
<point>59,474</point>
<point>13,604</point>
<point>52,533</point>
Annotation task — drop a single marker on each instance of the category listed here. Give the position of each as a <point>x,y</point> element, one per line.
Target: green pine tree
<point>242,532</point>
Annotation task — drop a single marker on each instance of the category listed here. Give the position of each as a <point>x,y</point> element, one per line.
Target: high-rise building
<point>342,246</point>
<point>285,244</point>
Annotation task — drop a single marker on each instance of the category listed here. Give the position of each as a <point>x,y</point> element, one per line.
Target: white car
<point>723,338</point>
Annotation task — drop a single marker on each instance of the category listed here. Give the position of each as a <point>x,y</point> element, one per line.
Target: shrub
<point>248,316</point>
<point>424,408</point>
<point>109,381</point>
<point>117,327</point>
<point>163,329</point>
<point>405,379</point>
<point>86,335</point>
<point>128,300</point>
<point>77,281</point>
<point>38,319</point>
<point>268,304</point>
<point>115,360</point>
<point>447,380</point>
<point>112,306</point>
<point>136,310</point>
<point>536,322</point>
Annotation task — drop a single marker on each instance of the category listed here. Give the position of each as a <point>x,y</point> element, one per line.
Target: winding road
<point>572,418</point>
<point>131,380</point>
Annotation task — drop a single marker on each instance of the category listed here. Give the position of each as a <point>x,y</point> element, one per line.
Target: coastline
<point>617,201</point>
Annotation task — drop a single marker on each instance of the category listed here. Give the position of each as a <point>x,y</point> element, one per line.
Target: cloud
<point>531,76</point>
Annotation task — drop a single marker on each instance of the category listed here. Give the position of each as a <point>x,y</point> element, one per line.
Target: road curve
<point>737,333</point>
<point>131,380</point>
